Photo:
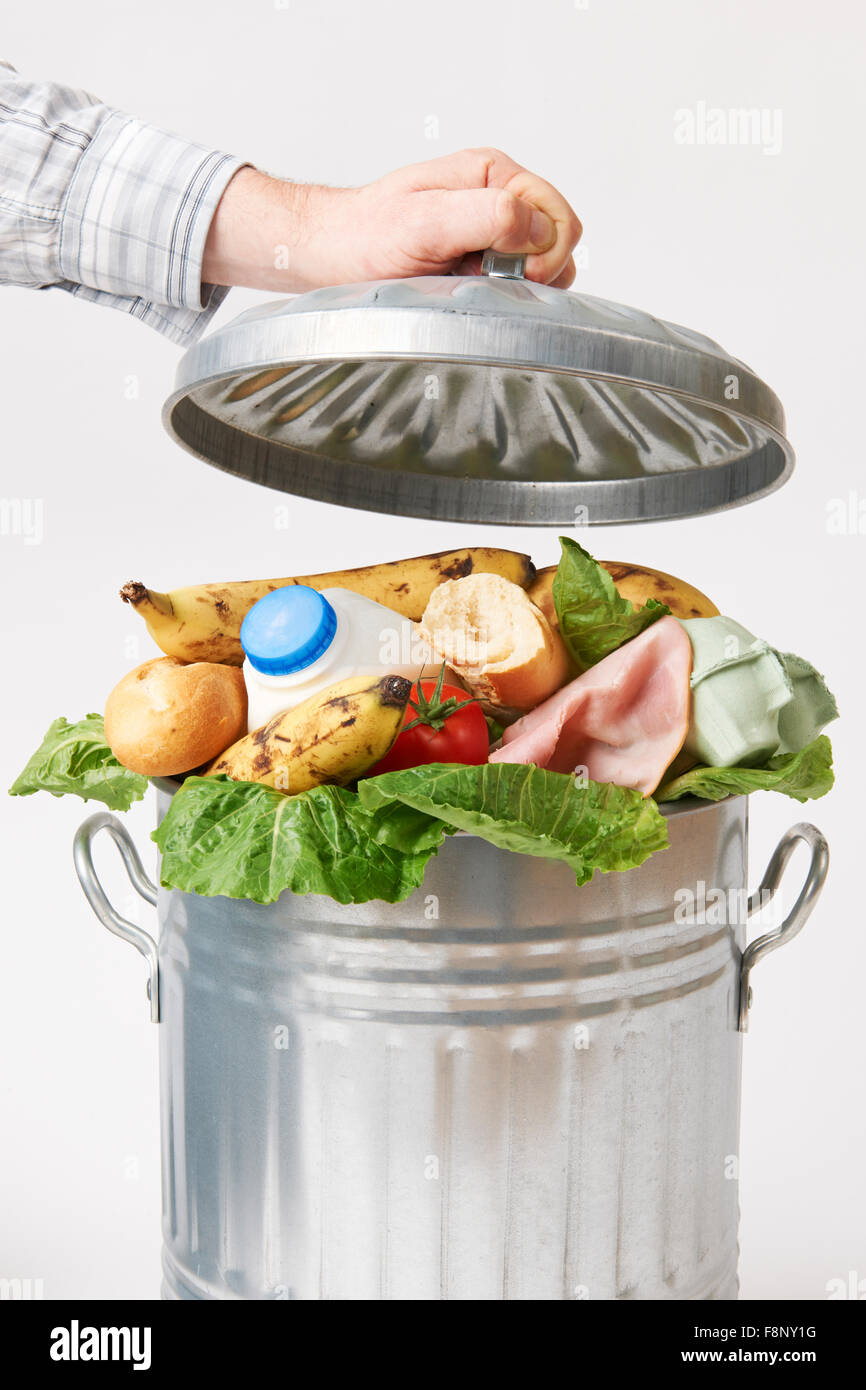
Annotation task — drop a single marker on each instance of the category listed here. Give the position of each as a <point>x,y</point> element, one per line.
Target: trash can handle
<point>797,917</point>
<point>94,892</point>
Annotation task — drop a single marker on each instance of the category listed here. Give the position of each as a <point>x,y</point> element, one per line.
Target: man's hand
<point>427,219</point>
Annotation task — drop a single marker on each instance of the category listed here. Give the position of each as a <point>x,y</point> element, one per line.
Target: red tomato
<point>463,737</point>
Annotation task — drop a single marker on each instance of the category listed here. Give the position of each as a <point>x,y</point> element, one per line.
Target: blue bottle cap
<point>288,630</point>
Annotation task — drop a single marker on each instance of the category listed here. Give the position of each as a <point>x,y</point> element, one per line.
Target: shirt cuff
<point>136,218</point>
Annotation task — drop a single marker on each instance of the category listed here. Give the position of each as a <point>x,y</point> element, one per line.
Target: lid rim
<point>359,485</point>
<point>777,431</point>
<point>196,369</point>
<point>448,398</point>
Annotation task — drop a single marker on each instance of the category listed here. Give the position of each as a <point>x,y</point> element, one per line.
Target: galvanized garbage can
<point>506,1087</point>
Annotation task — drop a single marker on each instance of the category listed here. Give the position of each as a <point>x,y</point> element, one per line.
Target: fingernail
<point>541,230</point>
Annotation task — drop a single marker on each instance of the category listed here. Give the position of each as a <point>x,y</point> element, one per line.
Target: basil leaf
<point>594,619</point>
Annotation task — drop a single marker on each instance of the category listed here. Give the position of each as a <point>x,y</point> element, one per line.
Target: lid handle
<point>503,265</point>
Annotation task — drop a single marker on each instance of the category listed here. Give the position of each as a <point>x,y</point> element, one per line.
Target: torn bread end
<point>498,642</point>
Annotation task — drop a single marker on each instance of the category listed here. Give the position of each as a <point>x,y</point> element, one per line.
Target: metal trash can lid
<point>485,398</point>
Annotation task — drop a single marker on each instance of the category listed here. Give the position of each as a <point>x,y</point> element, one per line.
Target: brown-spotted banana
<point>634,582</point>
<point>333,737</point>
<point>203,622</point>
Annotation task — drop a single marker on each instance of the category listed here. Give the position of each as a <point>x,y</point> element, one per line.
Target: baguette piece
<point>501,646</point>
<point>168,716</point>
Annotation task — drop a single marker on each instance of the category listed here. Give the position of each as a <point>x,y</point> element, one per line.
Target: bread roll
<point>501,645</point>
<point>167,716</point>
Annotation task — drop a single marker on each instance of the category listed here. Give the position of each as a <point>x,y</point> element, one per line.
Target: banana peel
<point>635,582</point>
<point>331,738</point>
<point>203,622</point>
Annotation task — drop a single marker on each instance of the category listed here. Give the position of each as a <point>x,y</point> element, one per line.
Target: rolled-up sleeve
<point>105,206</point>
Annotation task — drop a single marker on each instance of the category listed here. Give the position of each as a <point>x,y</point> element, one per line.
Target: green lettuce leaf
<point>593,618</point>
<point>804,775</point>
<point>246,840</point>
<point>520,807</point>
<point>75,758</point>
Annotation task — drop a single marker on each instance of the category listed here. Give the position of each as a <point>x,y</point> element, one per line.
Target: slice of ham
<point>624,720</point>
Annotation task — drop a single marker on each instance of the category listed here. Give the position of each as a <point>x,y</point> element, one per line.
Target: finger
<point>504,172</point>
<point>469,265</point>
<point>446,226</point>
<point>491,168</point>
<point>461,170</point>
<point>550,260</point>
<point>547,244</point>
<point>566,276</point>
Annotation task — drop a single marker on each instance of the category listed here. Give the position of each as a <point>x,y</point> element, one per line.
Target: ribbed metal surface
<point>477,398</point>
<point>531,1095</point>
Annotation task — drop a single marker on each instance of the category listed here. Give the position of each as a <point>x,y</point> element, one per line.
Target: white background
<point>762,252</point>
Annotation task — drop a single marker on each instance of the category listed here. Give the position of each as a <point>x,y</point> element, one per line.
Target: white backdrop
<point>758,245</point>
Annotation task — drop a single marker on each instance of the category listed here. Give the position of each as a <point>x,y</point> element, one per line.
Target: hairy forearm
<point>258,232</point>
<point>427,219</point>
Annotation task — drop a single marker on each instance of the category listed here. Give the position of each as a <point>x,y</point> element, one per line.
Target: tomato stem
<point>435,712</point>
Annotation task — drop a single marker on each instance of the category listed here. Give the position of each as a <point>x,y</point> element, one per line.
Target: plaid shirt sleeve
<point>107,207</point>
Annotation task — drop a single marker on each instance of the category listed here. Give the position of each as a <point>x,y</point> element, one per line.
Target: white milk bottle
<point>299,640</point>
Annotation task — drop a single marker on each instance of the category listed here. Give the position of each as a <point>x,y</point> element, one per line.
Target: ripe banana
<point>203,622</point>
<point>331,738</point>
<point>634,582</point>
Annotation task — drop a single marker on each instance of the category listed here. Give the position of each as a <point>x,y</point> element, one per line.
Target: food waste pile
<point>328,731</point>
